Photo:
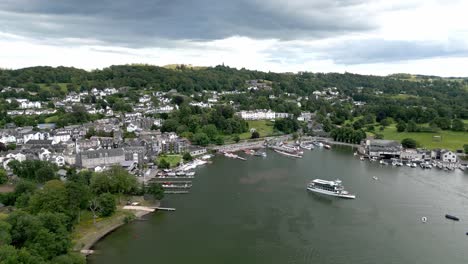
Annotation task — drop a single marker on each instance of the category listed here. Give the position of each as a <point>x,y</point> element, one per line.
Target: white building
<point>257,115</point>
<point>448,156</point>
<point>26,104</point>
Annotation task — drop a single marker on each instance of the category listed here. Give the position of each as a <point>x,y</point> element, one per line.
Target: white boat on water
<point>332,188</point>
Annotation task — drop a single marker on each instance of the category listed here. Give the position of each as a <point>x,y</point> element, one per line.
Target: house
<point>448,156</point>
<point>383,148</point>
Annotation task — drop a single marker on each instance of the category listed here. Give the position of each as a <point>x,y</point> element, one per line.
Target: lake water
<point>258,211</point>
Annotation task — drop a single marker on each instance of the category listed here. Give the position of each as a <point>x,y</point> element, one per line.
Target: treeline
<point>45,210</point>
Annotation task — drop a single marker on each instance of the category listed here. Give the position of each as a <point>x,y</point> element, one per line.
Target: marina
<point>264,211</point>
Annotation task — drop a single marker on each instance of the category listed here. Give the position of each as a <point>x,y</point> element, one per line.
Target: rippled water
<point>259,212</point>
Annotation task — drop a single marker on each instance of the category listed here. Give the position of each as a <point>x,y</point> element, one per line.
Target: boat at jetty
<point>332,188</point>
<point>327,146</point>
<point>307,146</point>
<point>318,144</point>
<point>289,154</point>
<point>260,154</point>
<point>233,156</point>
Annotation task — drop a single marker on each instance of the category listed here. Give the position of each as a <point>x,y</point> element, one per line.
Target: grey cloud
<point>377,51</point>
<point>140,23</point>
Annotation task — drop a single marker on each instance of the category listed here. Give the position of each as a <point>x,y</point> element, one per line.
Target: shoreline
<point>85,243</point>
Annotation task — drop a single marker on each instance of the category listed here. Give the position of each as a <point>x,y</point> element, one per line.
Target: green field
<point>172,159</point>
<point>264,127</point>
<point>63,86</point>
<point>403,96</point>
<point>449,139</point>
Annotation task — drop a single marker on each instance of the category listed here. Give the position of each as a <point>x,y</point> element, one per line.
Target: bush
<point>163,164</point>
<point>255,134</point>
<point>3,176</point>
<point>187,157</point>
<point>401,126</point>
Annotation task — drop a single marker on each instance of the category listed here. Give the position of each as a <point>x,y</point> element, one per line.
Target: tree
<point>201,139</point>
<point>236,138</point>
<point>107,204</point>
<point>409,143</point>
<point>385,122</point>
<point>358,124</point>
<point>255,134</point>
<point>3,176</point>
<point>53,197</point>
<point>187,157</point>
<point>78,195</point>
<point>156,190</point>
<point>401,126</point>
<point>116,180</point>
<point>458,125</point>
<point>465,148</point>
<point>163,164</point>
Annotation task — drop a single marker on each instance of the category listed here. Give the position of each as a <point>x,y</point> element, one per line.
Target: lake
<point>258,211</point>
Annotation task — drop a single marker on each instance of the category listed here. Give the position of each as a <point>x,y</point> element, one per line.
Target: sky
<point>377,37</point>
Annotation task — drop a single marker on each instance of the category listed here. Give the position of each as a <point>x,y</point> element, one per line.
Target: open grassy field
<point>172,159</point>
<point>449,139</point>
<point>264,127</point>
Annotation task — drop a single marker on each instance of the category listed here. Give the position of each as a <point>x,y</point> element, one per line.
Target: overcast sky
<point>361,36</point>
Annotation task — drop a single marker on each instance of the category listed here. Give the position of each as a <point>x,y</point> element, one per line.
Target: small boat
<point>355,153</point>
<point>424,219</point>
<point>327,146</point>
<point>361,158</point>
<point>383,162</point>
<point>191,173</point>
<point>451,217</point>
<point>375,178</point>
<point>413,165</point>
<point>260,154</point>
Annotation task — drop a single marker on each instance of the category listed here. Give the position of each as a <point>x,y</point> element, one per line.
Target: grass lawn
<point>264,127</point>
<point>52,119</point>
<point>172,159</point>
<point>450,139</point>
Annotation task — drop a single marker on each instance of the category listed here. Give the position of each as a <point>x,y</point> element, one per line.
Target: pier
<point>176,192</point>
<point>165,208</point>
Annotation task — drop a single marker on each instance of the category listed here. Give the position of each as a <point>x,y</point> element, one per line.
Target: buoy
<point>424,219</point>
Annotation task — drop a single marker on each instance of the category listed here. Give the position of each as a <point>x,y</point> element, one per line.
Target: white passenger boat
<point>332,188</point>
